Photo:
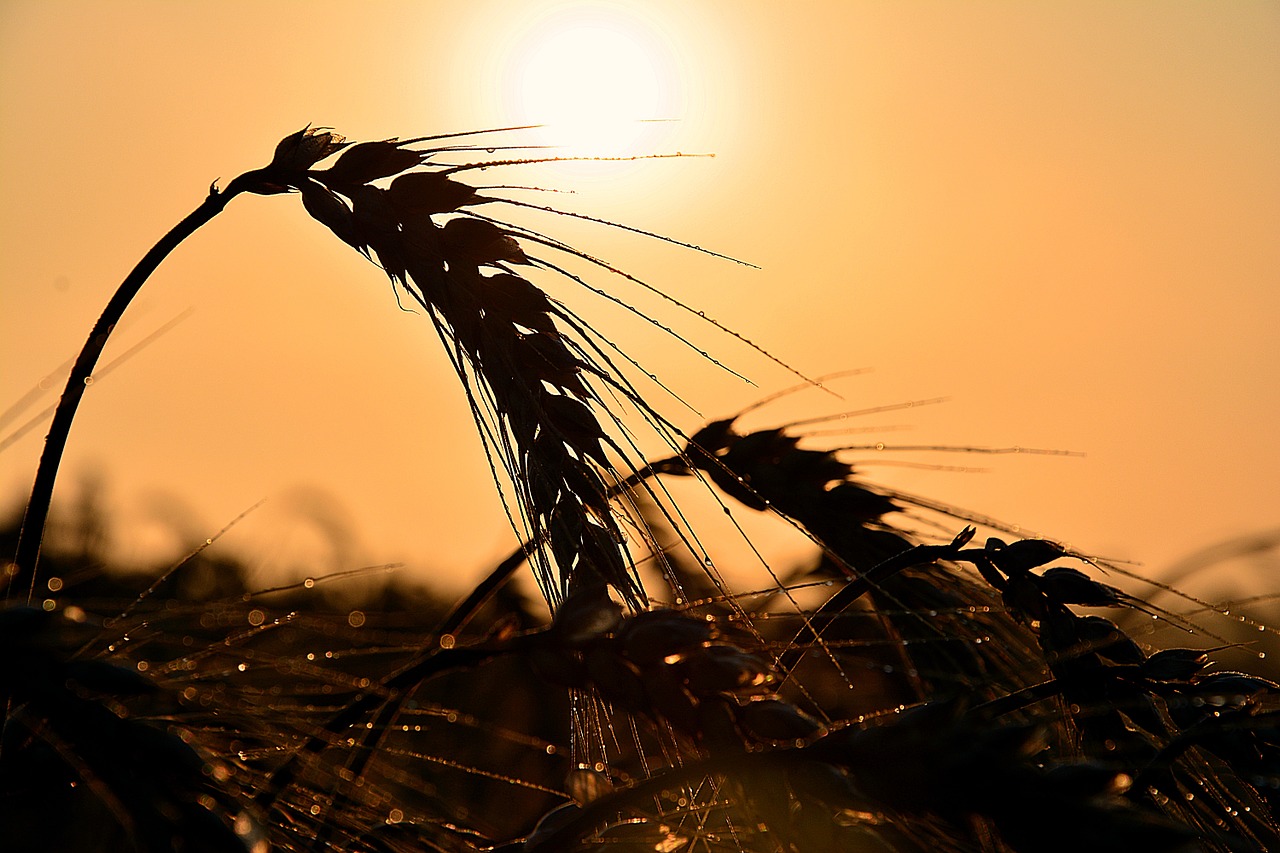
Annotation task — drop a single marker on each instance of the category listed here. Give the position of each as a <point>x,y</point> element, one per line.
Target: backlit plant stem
<point>22,574</point>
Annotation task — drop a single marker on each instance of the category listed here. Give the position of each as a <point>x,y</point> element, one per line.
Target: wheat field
<point>932,679</point>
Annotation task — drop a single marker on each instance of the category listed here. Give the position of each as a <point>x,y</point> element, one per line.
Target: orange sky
<point>1060,215</point>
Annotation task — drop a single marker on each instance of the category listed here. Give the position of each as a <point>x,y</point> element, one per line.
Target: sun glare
<point>602,83</point>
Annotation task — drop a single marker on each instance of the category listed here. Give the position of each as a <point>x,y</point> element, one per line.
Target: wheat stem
<point>22,573</point>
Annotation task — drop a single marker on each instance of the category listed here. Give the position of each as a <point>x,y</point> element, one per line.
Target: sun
<point>601,82</point>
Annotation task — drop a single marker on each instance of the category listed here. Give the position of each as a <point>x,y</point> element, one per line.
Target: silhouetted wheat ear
<point>528,380</point>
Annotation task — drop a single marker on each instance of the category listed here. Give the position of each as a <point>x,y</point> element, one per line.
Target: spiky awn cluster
<point>527,376</point>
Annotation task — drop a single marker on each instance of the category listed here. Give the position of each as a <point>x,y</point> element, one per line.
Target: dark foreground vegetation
<point>916,687</point>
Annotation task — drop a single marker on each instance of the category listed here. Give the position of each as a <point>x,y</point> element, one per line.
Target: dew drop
<point>309,583</point>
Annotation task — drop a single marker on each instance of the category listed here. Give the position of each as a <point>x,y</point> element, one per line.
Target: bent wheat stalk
<point>22,573</point>
<point>532,373</point>
<point>294,154</point>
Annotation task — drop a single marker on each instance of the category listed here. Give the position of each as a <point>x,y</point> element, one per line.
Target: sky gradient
<point>1061,216</point>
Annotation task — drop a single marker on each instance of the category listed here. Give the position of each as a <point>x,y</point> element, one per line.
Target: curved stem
<point>22,573</point>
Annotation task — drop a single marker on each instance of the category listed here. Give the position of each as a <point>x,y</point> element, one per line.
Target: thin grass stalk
<point>22,572</point>
<point>293,156</point>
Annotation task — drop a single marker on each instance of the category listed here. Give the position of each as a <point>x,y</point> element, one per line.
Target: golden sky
<point>1060,215</point>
